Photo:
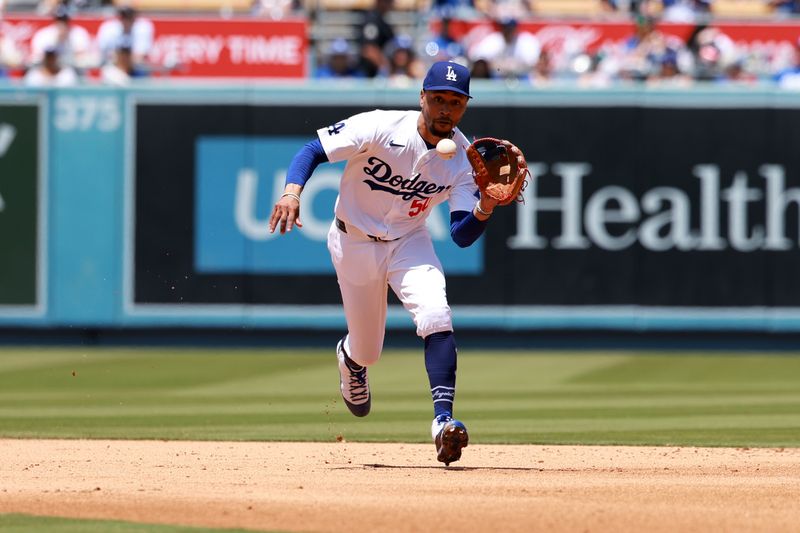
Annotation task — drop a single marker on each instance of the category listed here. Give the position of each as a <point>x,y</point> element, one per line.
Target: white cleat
<point>353,384</point>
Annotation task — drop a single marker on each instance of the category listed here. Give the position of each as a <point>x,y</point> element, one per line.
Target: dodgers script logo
<point>406,188</point>
<point>451,74</point>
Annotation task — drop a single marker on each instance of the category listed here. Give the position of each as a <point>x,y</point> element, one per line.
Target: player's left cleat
<point>450,436</point>
<point>353,383</point>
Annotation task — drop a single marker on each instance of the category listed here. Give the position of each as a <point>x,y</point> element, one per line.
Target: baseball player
<point>394,176</point>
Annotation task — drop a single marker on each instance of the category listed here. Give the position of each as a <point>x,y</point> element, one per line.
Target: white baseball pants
<point>365,268</point>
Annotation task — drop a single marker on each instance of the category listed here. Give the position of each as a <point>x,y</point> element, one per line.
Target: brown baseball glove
<point>499,168</point>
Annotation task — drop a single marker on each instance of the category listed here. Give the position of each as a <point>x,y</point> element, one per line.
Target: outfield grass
<point>504,397</point>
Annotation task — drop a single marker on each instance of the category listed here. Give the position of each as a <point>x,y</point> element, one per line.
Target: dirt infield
<point>399,487</point>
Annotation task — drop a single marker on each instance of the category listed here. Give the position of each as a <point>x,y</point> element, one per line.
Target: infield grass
<point>653,398</point>
<point>19,523</point>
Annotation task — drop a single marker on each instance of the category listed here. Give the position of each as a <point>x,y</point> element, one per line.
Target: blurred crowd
<point>509,53</point>
<point>62,53</point>
<point>498,47</point>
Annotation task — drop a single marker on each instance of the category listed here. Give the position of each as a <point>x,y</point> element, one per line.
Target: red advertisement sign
<point>764,37</point>
<point>233,48</point>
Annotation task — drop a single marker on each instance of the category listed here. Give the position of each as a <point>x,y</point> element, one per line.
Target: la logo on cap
<point>446,76</point>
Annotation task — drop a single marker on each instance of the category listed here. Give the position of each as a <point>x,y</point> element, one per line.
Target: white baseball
<point>446,148</point>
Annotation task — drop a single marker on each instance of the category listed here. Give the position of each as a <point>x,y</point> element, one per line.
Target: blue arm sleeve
<point>465,228</point>
<point>305,161</point>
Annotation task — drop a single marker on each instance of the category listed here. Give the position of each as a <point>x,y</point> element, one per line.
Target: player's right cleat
<point>450,436</point>
<point>353,383</point>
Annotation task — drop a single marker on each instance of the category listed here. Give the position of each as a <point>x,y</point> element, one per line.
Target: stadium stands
<point>580,8</point>
<point>741,9</point>
<point>216,6</point>
<point>243,6</point>
<point>350,5</point>
<point>20,5</point>
<point>329,20</point>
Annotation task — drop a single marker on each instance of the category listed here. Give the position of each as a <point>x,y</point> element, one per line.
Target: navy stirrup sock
<point>440,362</point>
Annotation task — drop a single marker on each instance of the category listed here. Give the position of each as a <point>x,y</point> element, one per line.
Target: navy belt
<point>343,228</point>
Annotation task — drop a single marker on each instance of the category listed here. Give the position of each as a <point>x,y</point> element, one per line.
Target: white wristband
<point>481,211</point>
<point>291,195</point>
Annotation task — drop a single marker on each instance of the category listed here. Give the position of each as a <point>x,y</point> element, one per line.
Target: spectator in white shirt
<point>121,69</point>
<point>510,52</point>
<point>73,42</point>
<point>50,72</point>
<point>129,24</point>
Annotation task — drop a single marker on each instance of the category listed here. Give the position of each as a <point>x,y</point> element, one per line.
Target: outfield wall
<point>147,207</point>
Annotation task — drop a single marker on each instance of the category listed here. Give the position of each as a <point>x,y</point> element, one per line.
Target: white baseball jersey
<point>389,186</point>
<point>392,179</point>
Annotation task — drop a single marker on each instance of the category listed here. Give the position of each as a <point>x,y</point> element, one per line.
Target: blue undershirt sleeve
<point>465,228</point>
<point>305,161</point>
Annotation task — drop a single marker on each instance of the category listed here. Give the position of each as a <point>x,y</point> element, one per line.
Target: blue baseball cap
<point>447,76</point>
